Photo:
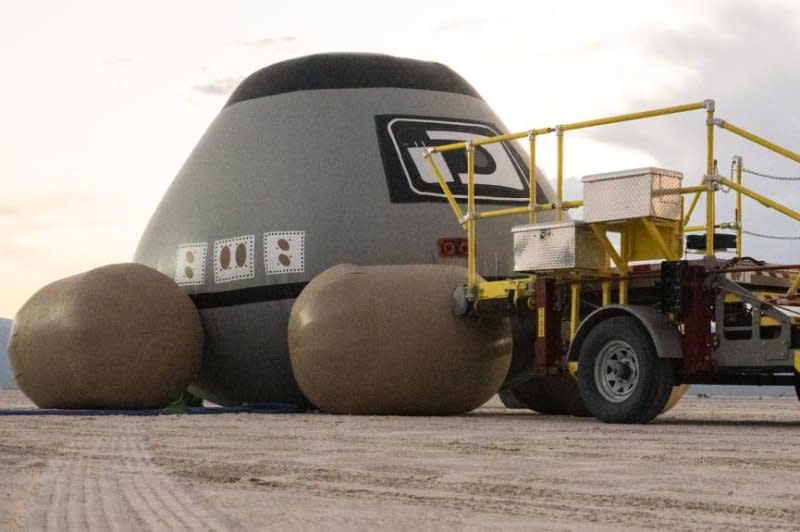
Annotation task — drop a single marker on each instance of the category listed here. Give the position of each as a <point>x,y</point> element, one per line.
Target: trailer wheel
<point>555,395</point>
<point>620,376</point>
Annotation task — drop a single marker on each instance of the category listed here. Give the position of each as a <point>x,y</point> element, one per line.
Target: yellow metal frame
<point>640,239</point>
<point>501,289</point>
<point>738,214</point>
<point>763,200</point>
<point>752,137</point>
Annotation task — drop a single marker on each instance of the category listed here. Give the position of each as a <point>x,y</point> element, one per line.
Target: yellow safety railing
<point>712,182</point>
<point>736,225</point>
<point>560,205</point>
<point>709,186</point>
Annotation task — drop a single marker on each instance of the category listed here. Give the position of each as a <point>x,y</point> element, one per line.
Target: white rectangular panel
<point>284,252</point>
<point>190,264</point>
<point>233,258</point>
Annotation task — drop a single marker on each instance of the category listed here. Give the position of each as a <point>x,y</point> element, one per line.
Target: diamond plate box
<point>638,193</point>
<point>556,246</point>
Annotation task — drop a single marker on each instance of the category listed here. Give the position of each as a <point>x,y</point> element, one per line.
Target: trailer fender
<point>663,332</point>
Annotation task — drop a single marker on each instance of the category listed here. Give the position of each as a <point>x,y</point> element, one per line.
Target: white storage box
<point>556,246</point>
<point>643,192</point>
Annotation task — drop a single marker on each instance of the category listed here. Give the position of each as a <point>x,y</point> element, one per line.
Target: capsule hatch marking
<point>284,252</point>
<point>190,264</point>
<point>233,258</point>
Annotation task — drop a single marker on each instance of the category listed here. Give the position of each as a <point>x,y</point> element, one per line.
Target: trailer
<point>613,315</point>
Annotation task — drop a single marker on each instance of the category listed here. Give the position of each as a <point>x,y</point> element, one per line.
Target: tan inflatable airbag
<point>384,340</point>
<point>120,336</point>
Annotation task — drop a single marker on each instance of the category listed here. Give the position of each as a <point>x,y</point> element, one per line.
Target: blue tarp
<point>269,408</point>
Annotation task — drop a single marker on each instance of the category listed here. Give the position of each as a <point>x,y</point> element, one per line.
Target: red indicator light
<point>452,247</point>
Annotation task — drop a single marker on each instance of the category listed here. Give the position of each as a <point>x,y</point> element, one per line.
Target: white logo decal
<point>190,264</point>
<point>284,252</point>
<point>233,258</point>
<point>499,172</point>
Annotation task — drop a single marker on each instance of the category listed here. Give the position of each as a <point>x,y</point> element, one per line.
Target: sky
<point>102,101</point>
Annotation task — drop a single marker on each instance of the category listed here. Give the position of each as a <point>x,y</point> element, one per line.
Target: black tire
<point>556,395</point>
<point>510,400</point>
<point>620,377</point>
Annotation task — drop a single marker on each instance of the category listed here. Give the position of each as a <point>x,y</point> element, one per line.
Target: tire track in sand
<point>108,481</point>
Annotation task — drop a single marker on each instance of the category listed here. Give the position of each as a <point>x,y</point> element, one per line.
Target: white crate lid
<point>619,174</point>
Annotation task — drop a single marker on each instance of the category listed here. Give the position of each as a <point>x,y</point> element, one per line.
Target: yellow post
<point>445,188</point>
<point>471,215</point>
<point>623,267</point>
<point>606,292</point>
<point>532,176</point>
<point>560,173</point>
<point>709,106</point>
<point>738,160</point>
<point>710,214</point>
<point>606,283</point>
<point>623,289</point>
<point>710,138</point>
<point>711,188</point>
<point>574,309</point>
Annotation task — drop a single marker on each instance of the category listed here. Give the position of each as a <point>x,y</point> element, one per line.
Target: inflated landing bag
<point>120,336</point>
<point>385,340</point>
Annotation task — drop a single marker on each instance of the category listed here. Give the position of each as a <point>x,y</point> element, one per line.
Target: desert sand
<point>710,463</point>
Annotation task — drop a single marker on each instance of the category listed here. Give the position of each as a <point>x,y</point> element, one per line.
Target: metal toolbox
<point>638,193</point>
<point>556,246</point>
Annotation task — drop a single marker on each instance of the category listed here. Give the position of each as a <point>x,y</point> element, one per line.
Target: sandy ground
<point>720,463</point>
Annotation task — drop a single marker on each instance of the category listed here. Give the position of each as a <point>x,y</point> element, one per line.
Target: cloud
<point>748,63</point>
<point>116,60</point>
<point>269,41</point>
<point>460,25</point>
<point>33,212</point>
<point>220,87</point>
<point>40,230</point>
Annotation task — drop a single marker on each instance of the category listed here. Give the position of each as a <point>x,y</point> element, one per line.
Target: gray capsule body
<point>7,381</point>
<point>283,186</point>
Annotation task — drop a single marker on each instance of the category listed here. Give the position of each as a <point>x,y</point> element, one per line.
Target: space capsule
<point>314,162</point>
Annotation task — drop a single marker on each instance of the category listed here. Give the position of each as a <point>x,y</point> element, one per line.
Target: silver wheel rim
<point>616,371</point>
